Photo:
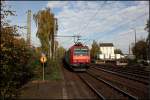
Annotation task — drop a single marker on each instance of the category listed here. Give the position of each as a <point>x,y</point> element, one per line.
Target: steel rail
<point>92,88</point>
<point>114,87</point>
<point>125,70</point>
<point>122,75</point>
<point>133,74</point>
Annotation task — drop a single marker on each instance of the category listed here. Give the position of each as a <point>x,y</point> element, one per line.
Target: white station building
<point>107,52</point>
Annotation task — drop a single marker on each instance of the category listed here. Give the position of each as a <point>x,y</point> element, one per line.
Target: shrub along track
<point>135,88</point>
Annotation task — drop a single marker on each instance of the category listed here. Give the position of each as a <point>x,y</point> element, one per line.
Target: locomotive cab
<point>78,57</point>
<point>81,58</point>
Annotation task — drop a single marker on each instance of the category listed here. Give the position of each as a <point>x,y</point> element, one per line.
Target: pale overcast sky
<point>110,21</point>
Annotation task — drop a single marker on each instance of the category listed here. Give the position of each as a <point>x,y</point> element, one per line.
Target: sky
<point>103,21</point>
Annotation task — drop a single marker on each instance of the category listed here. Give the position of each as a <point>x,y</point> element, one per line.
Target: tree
<point>148,30</point>
<point>95,50</point>
<point>55,48</point>
<point>147,26</point>
<point>118,51</point>
<point>148,38</point>
<point>139,49</point>
<point>60,52</point>
<point>45,22</point>
<point>15,55</point>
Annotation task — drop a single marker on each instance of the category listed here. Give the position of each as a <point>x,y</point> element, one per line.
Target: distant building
<point>107,52</point>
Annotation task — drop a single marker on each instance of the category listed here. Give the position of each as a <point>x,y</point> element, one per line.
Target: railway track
<point>132,76</point>
<point>136,72</point>
<point>134,87</point>
<point>75,88</point>
<point>130,69</point>
<point>112,88</point>
<point>103,88</point>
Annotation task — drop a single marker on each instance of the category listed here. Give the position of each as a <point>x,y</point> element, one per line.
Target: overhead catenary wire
<point>119,12</point>
<point>96,14</point>
<point>65,41</point>
<point>89,21</point>
<point>106,34</point>
<point>84,28</point>
<point>92,18</point>
<point>137,18</point>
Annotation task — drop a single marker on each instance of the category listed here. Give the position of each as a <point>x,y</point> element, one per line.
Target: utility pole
<point>55,32</point>
<point>135,35</point>
<point>148,47</point>
<point>129,49</point>
<point>29,27</point>
<point>134,39</point>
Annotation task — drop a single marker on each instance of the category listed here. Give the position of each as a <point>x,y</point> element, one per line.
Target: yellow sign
<point>43,59</point>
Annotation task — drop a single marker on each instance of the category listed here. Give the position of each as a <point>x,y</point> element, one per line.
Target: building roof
<point>106,45</point>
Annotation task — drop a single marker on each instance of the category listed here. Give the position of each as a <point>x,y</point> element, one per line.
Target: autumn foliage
<point>15,56</point>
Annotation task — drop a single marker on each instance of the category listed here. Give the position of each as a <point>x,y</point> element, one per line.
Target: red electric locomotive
<point>78,57</point>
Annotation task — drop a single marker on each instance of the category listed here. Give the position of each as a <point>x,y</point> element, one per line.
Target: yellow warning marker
<point>43,59</point>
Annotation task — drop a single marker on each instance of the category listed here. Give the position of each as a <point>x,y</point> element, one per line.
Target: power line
<point>115,14</point>
<point>64,42</point>
<point>74,36</point>
<point>118,26</point>
<point>122,36</point>
<point>97,12</point>
<point>92,17</point>
<point>137,18</point>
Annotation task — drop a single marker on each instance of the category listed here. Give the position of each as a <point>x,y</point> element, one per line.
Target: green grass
<point>54,73</point>
<point>52,70</point>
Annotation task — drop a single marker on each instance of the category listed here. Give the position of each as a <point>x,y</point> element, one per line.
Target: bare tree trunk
<point>52,46</point>
<point>50,52</point>
<point>54,50</point>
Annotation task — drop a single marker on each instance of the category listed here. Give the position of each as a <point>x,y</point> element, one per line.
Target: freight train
<point>77,57</point>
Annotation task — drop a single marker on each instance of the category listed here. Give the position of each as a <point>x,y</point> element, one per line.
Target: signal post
<point>43,59</point>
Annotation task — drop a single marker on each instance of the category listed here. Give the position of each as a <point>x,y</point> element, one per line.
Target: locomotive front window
<point>81,51</point>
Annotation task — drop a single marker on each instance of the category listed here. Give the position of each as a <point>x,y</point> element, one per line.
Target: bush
<point>52,70</point>
<point>14,59</point>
